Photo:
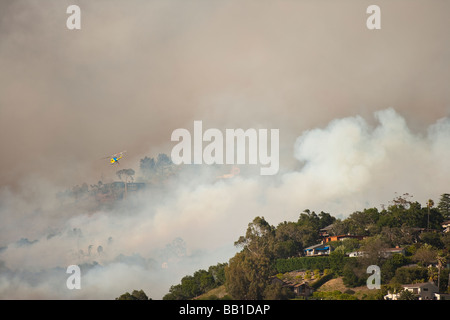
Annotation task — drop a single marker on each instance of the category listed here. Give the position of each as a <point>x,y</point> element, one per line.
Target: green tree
<point>407,295</point>
<point>316,274</point>
<point>410,275</point>
<point>374,251</point>
<point>444,205</point>
<point>275,291</point>
<point>288,240</point>
<point>258,239</point>
<point>391,265</point>
<point>433,239</point>
<point>340,227</point>
<point>337,262</point>
<point>204,281</point>
<point>425,255</point>
<point>315,221</point>
<point>308,275</point>
<point>248,272</point>
<point>363,222</point>
<point>247,276</point>
<point>218,273</point>
<point>135,295</point>
<point>353,273</point>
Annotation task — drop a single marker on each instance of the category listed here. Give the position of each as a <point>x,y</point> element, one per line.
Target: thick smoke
<point>151,240</point>
<point>362,114</point>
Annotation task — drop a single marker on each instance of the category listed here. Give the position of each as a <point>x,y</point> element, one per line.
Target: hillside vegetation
<point>268,252</point>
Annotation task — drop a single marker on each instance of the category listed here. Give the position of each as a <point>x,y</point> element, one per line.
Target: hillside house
<point>318,250</point>
<point>423,291</point>
<point>446,226</point>
<point>341,237</point>
<point>302,289</point>
<point>386,253</point>
<point>325,232</point>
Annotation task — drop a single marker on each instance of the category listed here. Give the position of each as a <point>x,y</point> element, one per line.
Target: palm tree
<point>441,262</point>
<point>430,204</point>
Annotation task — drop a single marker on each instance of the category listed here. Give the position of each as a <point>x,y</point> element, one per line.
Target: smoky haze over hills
<point>362,115</point>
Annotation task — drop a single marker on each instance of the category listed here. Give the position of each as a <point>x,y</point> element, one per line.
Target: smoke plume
<point>362,114</point>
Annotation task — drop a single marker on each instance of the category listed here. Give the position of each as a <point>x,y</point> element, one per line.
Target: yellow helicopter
<point>115,157</point>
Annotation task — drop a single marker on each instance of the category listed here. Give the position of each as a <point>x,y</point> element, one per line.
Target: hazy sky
<point>362,114</point>
<point>137,70</point>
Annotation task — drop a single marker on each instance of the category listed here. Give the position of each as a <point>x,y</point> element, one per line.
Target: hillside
<point>338,284</point>
<point>214,294</point>
<point>409,242</point>
<point>329,286</point>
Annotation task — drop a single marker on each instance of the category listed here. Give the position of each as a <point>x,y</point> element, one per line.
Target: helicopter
<point>113,159</point>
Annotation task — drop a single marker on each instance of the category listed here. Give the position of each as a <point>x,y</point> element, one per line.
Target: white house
<point>423,291</point>
<point>446,226</point>
<point>386,253</point>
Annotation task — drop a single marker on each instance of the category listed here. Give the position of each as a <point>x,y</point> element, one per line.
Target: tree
<point>288,240</point>
<point>163,165</point>
<point>199,283</point>
<point>410,275</point>
<point>430,204</point>
<point>360,223</point>
<point>248,272</point>
<point>127,173</point>
<point>441,259</point>
<point>316,222</point>
<point>258,239</point>
<point>402,201</point>
<point>391,265</point>
<point>276,291</point>
<point>432,238</point>
<point>425,255</point>
<point>406,295</point>
<point>204,280</point>
<point>340,227</point>
<point>337,262</point>
<point>353,274</point>
<point>247,276</point>
<point>147,167</point>
<point>374,251</point>
<point>444,205</point>
<point>135,295</point>
<point>218,273</point>
<point>160,168</point>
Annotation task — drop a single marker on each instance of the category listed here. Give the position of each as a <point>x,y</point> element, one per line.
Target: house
<point>318,250</point>
<point>356,254</point>
<point>325,232</point>
<point>386,253</point>
<point>423,291</point>
<point>442,296</point>
<point>341,238</point>
<point>446,225</point>
<point>300,289</point>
